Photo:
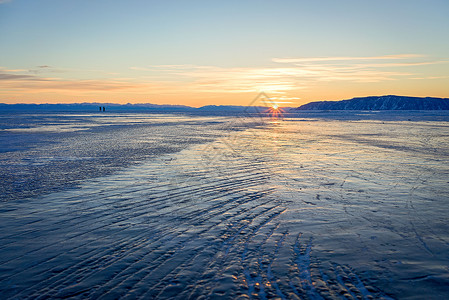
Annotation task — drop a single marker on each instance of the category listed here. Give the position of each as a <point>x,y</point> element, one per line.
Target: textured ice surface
<point>298,208</point>
<point>42,152</point>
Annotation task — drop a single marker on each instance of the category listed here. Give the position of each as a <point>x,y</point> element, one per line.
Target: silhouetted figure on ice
<point>104,108</point>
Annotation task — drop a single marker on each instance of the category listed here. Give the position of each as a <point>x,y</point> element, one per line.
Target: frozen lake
<point>346,206</point>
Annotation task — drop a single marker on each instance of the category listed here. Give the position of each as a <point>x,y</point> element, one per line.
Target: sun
<point>275,111</point>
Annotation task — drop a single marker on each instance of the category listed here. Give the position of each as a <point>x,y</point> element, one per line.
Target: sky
<point>221,52</point>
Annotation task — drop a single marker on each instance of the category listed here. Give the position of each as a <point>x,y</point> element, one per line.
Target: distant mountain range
<point>364,103</point>
<point>68,107</point>
<point>380,103</point>
<point>141,107</point>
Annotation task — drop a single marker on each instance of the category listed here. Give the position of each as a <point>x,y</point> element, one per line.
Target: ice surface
<point>41,153</point>
<point>298,208</point>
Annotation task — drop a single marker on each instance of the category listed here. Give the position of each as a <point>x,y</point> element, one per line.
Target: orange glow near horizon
<point>170,96</point>
<point>290,82</point>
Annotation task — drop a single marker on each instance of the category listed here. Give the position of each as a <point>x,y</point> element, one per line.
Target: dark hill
<point>380,103</point>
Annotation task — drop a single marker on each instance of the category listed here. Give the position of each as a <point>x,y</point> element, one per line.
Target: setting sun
<point>275,111</point>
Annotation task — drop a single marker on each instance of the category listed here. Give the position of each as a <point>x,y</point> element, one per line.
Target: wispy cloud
<point>14,77</point>
<point>293,74</point>
<point>212,79</point>
<point>3,69</point>
<point>33,83</point>
<point>46,69</point>
<point>4,1</point>
<point>359,69</point>
<point>346,58</point>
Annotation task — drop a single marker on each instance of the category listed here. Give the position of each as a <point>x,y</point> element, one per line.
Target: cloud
<point>47,69</point>
<point>292,75</point>
<point>139,69</point>
<point>33,83</point>
<point>4,1</point>
<point>345,58</point>
<point>212,79</point>
<point>9,76</point>
<point>3,69</point>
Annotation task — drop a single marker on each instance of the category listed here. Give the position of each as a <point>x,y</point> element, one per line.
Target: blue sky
<point>221,52</point>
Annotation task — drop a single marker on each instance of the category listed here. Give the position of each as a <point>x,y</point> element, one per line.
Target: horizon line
<point>188,106</point>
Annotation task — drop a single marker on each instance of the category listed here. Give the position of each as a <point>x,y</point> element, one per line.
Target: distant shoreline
<point>384,103</point>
